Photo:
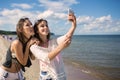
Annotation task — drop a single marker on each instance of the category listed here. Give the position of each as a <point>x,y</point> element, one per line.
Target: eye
<point>28,24</point>
<point>42,26</point>
<point>46,25</point>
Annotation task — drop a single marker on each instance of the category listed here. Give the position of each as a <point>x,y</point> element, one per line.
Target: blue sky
<point>93,16</point>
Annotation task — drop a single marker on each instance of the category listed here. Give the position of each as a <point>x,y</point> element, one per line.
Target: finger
<point>67,41</point>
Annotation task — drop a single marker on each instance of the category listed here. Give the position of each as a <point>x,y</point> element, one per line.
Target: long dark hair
<point>36,29</point>
<point>21,37</point>
<point>19,28</point>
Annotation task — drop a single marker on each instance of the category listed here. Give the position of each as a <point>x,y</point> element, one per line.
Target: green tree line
<point>7,32</point>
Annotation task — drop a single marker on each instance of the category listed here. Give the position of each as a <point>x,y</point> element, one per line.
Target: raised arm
<point>71,18</point>
<point>65,40</point>
<point>69,34</point>
<point>45,55</point>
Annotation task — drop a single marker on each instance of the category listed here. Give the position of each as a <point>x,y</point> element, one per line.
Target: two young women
<point>47,51</point>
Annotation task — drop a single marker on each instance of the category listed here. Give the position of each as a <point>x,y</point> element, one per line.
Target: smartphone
<point>70,11</point>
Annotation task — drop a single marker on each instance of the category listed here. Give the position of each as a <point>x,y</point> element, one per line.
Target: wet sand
<point>73,70</point>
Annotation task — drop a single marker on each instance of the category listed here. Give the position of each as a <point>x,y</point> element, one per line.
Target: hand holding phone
<point>70,14</point>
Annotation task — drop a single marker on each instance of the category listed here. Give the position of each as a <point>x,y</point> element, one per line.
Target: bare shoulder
<point>16,43</point>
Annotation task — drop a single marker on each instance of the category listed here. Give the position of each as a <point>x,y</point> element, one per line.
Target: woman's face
<point>43,29</point>
<point>28,29</point>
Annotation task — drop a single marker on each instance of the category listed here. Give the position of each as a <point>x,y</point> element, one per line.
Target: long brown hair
<point>19,28</point>
<point>36,29</point>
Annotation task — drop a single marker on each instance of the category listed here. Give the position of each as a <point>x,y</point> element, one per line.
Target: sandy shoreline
<point>73,71</point>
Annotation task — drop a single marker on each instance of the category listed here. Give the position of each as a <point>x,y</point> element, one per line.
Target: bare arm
<point>45,55</point>
<point>71,18</point>
<point>59,48</point>
<point>69,34</point>
<point>65,40</point>
<point>17,48</point>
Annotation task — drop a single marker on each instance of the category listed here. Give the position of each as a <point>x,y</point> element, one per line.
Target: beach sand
<point>73,70</point>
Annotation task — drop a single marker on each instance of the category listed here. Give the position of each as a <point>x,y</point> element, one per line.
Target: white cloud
<point>56,16</point>
<point>52,16</point>
<point>10,17</point>
<point>23,6</point>
<point>104,18</point>
<point>57,6</point>
<point>0,21</point>
<point>84,19</point>
<point>46,14</point>
<point>61,16</point>
<point>86,24</point>
<point>103,24</point>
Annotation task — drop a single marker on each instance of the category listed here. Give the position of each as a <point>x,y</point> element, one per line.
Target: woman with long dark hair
<point>18,55</point>
<point>48,52</point>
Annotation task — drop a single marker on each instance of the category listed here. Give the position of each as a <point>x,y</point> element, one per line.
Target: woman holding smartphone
<point>48,52</point>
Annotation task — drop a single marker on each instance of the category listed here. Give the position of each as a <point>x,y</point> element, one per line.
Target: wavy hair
<point>36,29</point>
<point>19,28</point>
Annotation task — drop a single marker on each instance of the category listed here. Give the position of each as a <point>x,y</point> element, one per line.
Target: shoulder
<point>16,43</point>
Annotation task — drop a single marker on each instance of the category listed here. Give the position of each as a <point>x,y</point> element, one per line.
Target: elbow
<point>50,57</point>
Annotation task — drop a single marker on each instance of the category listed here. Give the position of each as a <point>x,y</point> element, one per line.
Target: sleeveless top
<point>8,59</point>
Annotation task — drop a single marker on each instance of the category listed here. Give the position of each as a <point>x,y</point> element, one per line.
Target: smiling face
<point>24,29</point>
<point>43,29</point>
<point>28,29</point>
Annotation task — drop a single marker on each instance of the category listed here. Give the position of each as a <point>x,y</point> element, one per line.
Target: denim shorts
<point>5,75</point>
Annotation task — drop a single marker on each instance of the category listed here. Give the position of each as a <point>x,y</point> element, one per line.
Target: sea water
<point>100,52</point>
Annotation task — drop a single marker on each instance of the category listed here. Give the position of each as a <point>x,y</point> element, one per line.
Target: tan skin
<point>16,48</point>
<point>43,31</point>
<point>67,41</point>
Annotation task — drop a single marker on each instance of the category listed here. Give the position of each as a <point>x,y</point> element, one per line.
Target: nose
<point>45,26</point>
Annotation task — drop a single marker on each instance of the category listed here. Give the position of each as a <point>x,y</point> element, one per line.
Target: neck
<point>44,39</point>
<point>26,39</point>
<point>44,42</point>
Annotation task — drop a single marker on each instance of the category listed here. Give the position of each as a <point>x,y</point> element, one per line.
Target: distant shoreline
<point>3,32</point>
